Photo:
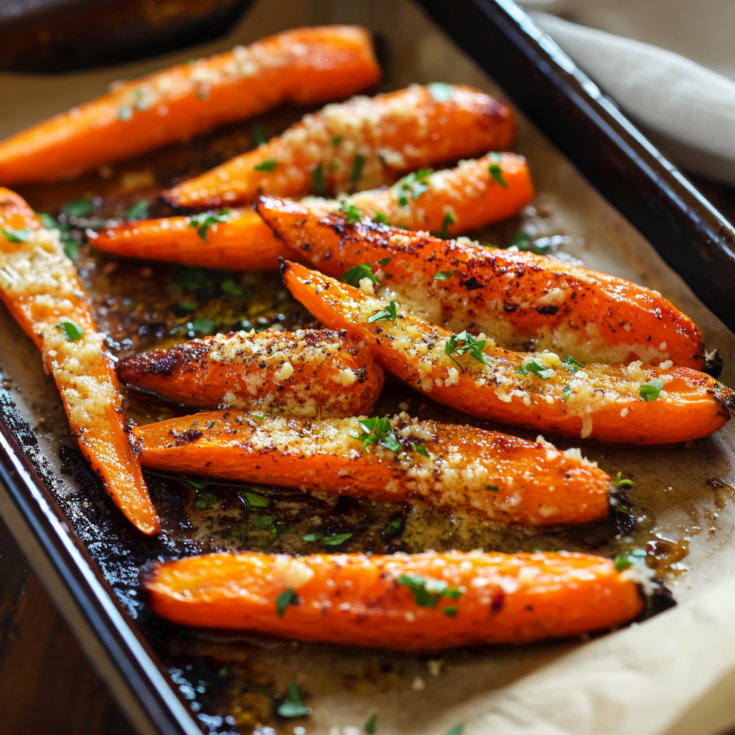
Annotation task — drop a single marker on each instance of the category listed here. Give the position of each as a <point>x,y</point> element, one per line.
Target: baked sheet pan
<point>647,678</point>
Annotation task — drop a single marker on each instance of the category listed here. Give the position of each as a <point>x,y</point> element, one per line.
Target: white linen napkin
<point>669,64</point>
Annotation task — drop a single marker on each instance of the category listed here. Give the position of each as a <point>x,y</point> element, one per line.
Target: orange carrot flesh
<point>456,200</point>
<point>498,477</point>
<point>302,66</point>
<point>360,144</point>
<point>515,298</point>
<point>40,287</point>
<point>613,403</point>
<point>308,373</point>
<point>418,602</point>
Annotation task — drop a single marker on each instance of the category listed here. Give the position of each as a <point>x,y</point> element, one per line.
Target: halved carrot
<point>303,66</point>
<point>632,404</point>
<point>308,373</point>
<point>40,287</point>
<point>500,477</point>
<point>418,602</point>
<point>456,200</point>
<point>518,299</point>
<point>363,143</point>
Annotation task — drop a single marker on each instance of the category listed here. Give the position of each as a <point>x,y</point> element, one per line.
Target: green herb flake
<point>448,220</point>
<point>125,113</point>
<point>428,592</point>
<point>230,288</point>
<point>371,724</point>
<point>411,187</point>
<point>17,235</point>
<point>264,522</point>
<point>420,449</point>
<point>497,174</point>
<point>354,275</point>
<point>620,483</point>
<point>318,182</point>
<point>352,213</point>
<point>445,275</point>
<point>137,210</point>
<point>380,431</point>
<point>650,391</point>
<point>384,261</point>
<point>202,325</point>
<point>73,332</point>
<point>623,509</point>
<point>440,91</point>
<point>71,248</point>
<point>258,134</point>
<point>358,163</point>
<point>381,219</point>
<point>573,365</point>
<point>391,528</point>
<point>387,314</point>
<point>458,344</point>
<point>268,165</point>
<point>259,417</point>
<point>255,501</point>
<point>205,500</point>
<point>77,208</point>
<point>283,600</point>
<point>336,539</point>
<point>204,220</point>
<point>188,305</point>
<point>337,139</point>
<point>538,370</point>
<point>566,392</point>
<point>492,488</point>
<point>521,240</point>
<point>450,610</point>
<point>211,425</point>
<point>293,705</point>
<point>627,559</point>
<point>456,730</point>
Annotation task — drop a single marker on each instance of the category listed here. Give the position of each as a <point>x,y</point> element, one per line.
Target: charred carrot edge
<point>417,602</point>
<point>502,478</point>
<point>361,144</point>
<point>532,390</point>
<point>302,66</point>
<point>307,373</point>
<point>515,298</point>
<point>40,287</point>
<point>456,200</point>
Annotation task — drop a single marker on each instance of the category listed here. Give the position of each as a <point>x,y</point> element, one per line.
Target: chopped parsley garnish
<point>450,610</point>
<point>370,724</point>
<point>286,598</point>
<point>465,342</point>
<point>255,501</point>
<point>456,730</point>
<point>202,94</point>
<point>137,210</point>
<point>230,288</point>
<point>384,261</point>
<point>265,522</point>
<point>387,314</point>
<point>623,509</point>
<point>650,391</point>
<point>448,220</point>
<point>240,530</point>
<point>17,235</point>
<point>318,182</point>
<point>354,275</point>
<point>428,592</point>
<point>626,560</point>
<point>620,483</point>
<point>380,431</point>
<point>538,370</point>
<point>188,305</point>
<point>73,332</point>
<point>441,91</point>
<point>259,417</point>
<point>196,485</point>
<point>566,391</point>
<point>258,134</point>
<point>77,208</point>
<point>358,163</point>
<point>336,539</point>
<point>351,213</point>
<point>521,240</point>
<point>337,139</point>
<point>444,275</point>
<point>202,325</point>
<point>204,220</point>
<point>492,488</point>
<point>497,174</point>
<point>571,364</point>
<point>211,425</point>
<point>268,165</point>
<point>421,449</point>
<point>413,186</point>
<point>205,500</point>
<point>391,528</point>
<point>381,218</point>
<point>293,705</point>
<point>125,112</point>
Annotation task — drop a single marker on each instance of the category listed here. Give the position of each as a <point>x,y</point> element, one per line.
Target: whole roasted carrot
<point>633,404</point>
<point>418,602</point>
<point>454,201</point>
<point>307,373</point>
<point>40,287</point>
<point>360,144</point>
<point>514,298</point>
<point>303,67</point>
<point>502,478</point>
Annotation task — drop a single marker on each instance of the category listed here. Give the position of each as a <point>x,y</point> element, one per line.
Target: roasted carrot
<point>518,299</point>
<point>633,404</point>
<point>303,66</point>
<point>361,144</point>
<point>502,478</point>
<point>456,200</point>
<point>417,602</point>
<point>307,373</point>
<point>40,287</point>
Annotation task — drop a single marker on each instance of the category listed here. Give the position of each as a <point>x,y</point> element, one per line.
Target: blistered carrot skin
<point>518,299</point>
<point>308,373</point>
<point>529,390</point>
<point>360,144</point>
<point>40,287</point>
<point>353,599</point>
<point>303,66</point>
<point>456,200</point>
<point>501,478</point>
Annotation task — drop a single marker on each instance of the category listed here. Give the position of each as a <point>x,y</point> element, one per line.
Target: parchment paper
<point>672,674</point>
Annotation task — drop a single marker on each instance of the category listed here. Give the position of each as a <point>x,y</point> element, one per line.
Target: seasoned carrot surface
<point>304,66</point>
<point>307,373</point>
<point>500,477</point>
<point>518,299</point>
<point>632,404</point>
<point>456,200</point>
<point>40,287</point>
<point>407,602</point>
<point>361,144</point>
